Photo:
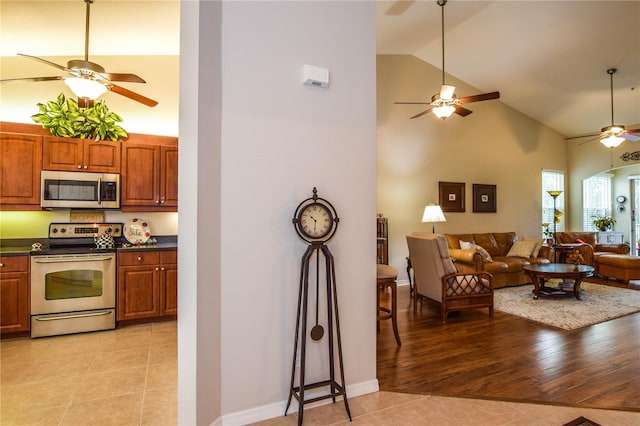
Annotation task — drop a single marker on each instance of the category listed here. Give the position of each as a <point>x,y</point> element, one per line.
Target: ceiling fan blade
<point>412,103</point>
<point>462,111</point>
<point>17,80</point>
<point>582,136</point>
<point>447,91</point>
<point>631,137</point>
<point>127,78</point>
<point>131,95</point>
<point>590,140</point>
<point>422,113</point>
<point>399,7</point>
<point>44,61</point>
<point>477,98</point>
<point>633,131</point>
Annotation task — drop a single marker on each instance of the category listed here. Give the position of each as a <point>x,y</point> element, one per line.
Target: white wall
<point>278,140</point>
<point>494,145</point>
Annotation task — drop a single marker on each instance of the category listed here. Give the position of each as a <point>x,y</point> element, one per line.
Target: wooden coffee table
<point>541,273</point>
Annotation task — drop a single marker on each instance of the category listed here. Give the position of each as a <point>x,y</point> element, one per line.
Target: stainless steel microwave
<point>80,190</point>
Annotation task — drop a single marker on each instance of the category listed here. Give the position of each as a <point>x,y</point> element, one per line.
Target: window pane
<point>596,199</point>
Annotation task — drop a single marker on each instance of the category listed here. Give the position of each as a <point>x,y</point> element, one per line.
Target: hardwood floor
<point>510,358</point>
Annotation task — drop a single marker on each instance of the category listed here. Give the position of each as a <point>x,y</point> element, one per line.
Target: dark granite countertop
<point>22,247</point>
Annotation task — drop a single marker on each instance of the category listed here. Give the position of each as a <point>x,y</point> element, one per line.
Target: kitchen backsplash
<point>35,224</point>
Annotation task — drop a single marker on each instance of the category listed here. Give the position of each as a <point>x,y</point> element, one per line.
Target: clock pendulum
<point>316,221</point>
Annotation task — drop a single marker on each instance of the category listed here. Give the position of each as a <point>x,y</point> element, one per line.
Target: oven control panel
<point>84,230</point>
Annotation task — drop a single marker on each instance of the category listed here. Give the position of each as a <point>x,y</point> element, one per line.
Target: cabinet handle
<point>1,265</point>
<point>157,269</point>
<point>139,258</point>
<point>157,202</point>
<point>162,269</point>
<point>79,166</point>
<point>86,167</point>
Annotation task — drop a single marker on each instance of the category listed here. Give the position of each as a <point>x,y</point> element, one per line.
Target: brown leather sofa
<point>506,270</point>
<point>589,247</point>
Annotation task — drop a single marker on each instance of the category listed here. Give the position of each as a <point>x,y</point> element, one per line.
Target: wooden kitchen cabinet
<point>147,284</point>
<point>149,174</point>
<point>14,294</point>
<point>20,164</point>
<point>81,155</point>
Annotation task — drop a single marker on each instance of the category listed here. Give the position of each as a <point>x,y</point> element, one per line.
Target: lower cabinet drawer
<point>136,258</point>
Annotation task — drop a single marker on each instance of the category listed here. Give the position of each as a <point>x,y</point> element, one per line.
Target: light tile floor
<point>117,377</point>
<point>129,377</point>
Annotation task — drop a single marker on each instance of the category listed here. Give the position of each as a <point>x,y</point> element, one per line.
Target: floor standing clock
<point>316,222</point>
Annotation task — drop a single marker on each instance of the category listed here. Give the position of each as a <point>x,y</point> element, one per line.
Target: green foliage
<point>603,222</point>
<point>64,118</point>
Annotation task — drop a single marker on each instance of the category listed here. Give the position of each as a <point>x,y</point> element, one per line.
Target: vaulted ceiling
<point>548,59</point>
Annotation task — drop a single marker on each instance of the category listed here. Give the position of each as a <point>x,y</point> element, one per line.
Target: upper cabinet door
<point>62,154</point>
<point>20,164</point>
<point>140,181</point>
<point>82,155</point>
<point>102,156</point>
<point>169,177</point>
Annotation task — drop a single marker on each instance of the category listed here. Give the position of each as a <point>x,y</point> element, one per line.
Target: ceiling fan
<point>613,135</point>
<point>445,103</point>
<point>87,79</point>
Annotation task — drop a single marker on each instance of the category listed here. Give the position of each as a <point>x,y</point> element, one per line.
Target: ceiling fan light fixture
<point>85,88</point>
<point>443,111</point>
<point>612,141</point>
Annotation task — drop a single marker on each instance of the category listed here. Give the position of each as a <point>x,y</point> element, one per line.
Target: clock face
<point>621,198</point>
<point>315,221</point>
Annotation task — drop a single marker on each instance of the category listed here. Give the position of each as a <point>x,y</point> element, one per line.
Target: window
<point>552,181</point>
<point>596,199</point>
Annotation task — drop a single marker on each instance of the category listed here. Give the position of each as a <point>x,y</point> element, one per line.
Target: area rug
<point>599,303</point>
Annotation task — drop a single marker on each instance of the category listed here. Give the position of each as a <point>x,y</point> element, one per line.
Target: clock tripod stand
<point>335,389</point>
<point>316,221</point>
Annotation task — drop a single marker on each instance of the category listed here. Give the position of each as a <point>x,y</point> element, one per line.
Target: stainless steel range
<point>73,283</point>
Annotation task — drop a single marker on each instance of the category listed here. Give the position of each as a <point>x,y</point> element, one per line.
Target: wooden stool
<point>386,277</point>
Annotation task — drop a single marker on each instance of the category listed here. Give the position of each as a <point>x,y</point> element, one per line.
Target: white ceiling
<point>548,59</point>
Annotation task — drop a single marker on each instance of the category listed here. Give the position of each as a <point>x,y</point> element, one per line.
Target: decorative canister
<point>104,241</point>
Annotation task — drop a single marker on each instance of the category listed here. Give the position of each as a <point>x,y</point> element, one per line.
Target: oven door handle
<point>61,317</point>
<point>73,259</point>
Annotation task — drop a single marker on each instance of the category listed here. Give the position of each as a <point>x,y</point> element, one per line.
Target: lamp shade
<point>433,213</point>
<point>612,141</point>
<point>554,194</point>
<point>85,87</point>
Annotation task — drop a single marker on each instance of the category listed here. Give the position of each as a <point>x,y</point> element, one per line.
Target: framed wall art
<point>484,198</point>
<point>451,196</point>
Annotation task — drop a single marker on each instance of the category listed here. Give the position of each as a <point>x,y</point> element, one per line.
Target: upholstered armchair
<point>436,277</point>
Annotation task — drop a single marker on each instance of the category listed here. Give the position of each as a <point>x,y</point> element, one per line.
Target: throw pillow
<point>536,249</point>
<point>486,257</point>
<point>578,240</point>
<point>464,245</point>
<point>522,248</point>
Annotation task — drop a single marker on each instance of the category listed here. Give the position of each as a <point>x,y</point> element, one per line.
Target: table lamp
<point>433,213</point>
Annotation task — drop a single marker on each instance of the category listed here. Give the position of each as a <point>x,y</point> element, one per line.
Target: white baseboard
<point>276,409</point>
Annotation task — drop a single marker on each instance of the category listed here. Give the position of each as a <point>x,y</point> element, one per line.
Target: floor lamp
<point>554,195</point>
<point>433,213</point>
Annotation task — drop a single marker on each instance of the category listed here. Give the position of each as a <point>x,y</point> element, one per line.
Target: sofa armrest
<point>468,258</point>
<point>613,248</point>
<point>546,252</point>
